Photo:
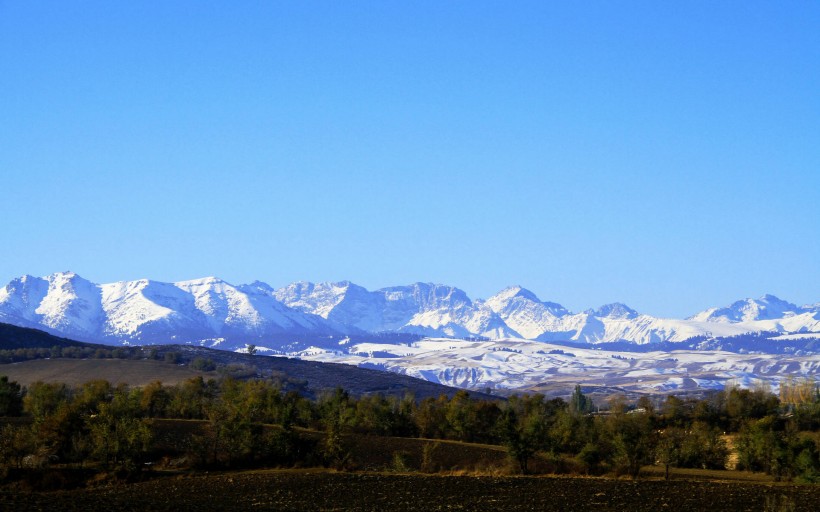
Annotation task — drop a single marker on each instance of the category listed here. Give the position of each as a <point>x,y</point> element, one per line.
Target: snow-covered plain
<point>519,364</point>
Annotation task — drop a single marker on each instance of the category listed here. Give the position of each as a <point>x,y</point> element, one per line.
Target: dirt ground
<point>319,490</point>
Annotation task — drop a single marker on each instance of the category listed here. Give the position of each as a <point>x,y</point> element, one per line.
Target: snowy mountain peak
<point>813,308</point>
<point>515,291</point>
<point>616,310</point>
<point>259,287</point>
<point>211,310</point>
<point>523,312</point>
<point>66,274</point>
<point>767,307</point>
<point>203,281</point>
<point>63,302</point>
<point>427,295</point>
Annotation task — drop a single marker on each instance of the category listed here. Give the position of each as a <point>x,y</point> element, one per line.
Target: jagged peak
<point>68,280</point>
<point>202,281</point>
<point>422,287</point>
<point>765,300</point>
<point>25,279</point>
<point>615,310</point>
<point>767,306</point>
<point>310,285</point>
<point>66,275</point>
<point>511,292</point>
<point>261,285</point>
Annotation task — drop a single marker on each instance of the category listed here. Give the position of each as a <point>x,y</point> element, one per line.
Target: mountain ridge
<point>210,311</point>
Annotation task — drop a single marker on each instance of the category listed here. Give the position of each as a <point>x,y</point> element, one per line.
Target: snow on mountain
<point>420,308</point>
<point>616,311</point>
<point>210,310</point>
<point>439,310</point>
<point>20,299</point>
<point>150,311</point>
<point>62,303</point>
<point>767,307</point>
<point>526,314</point>
<point>146,311</point>
<point>522,364</point>
<point>768,313</point>
<point>348,307</point>
<point>232,311</point>
<point>548,321</point>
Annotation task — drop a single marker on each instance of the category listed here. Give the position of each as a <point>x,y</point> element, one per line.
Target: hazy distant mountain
<point>767,307</point>
<point>212,312</point>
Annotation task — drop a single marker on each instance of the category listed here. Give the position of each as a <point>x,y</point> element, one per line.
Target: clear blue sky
<point>663,154</point>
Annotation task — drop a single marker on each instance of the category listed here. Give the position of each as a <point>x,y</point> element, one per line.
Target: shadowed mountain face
<point>212,312</point>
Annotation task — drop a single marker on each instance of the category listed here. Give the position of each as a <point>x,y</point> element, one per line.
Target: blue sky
<point>663,154</point>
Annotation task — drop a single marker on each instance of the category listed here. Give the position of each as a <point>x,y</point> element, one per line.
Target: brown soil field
<point>78,371</point>
<point>319,490</point>
<point>377,453</point>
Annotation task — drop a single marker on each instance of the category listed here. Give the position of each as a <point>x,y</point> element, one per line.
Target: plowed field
<point>316,490</point>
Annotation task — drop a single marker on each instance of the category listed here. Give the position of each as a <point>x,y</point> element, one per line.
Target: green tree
<point>521,440</point>
<point>761,446</point>
<point>806,460</point>
<point>669,447</point>
<point>461,417</point>
<point>570,432</point>
<point>337,413</point>
<point>703,447</point>
<point>579,403</point>
<point>16,441</point>
<point>634,441</point>
<point>11,397</point>
<point>43,399</point>
<point>191,398</point>
<point>121,436</point>
<point>154,400</point>
<point>430,418</point>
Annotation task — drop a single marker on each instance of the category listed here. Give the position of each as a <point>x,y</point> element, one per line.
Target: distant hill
<point>74,372</point>
<point>309,377</point>
<point>14,337</point>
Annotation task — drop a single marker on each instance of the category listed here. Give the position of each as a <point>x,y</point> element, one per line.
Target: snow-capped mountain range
<point>213,312</point>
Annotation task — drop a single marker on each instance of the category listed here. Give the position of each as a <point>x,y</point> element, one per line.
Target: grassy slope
<point>78,371</point>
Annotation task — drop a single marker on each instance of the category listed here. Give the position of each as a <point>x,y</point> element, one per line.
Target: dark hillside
<point>14,337</point>
<point>75,372</point>
<point>309,377</point>
<point>321,376</point>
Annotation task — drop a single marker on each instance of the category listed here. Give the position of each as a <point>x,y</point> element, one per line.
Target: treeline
<point>16,355</point>
<point>255,422</point>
